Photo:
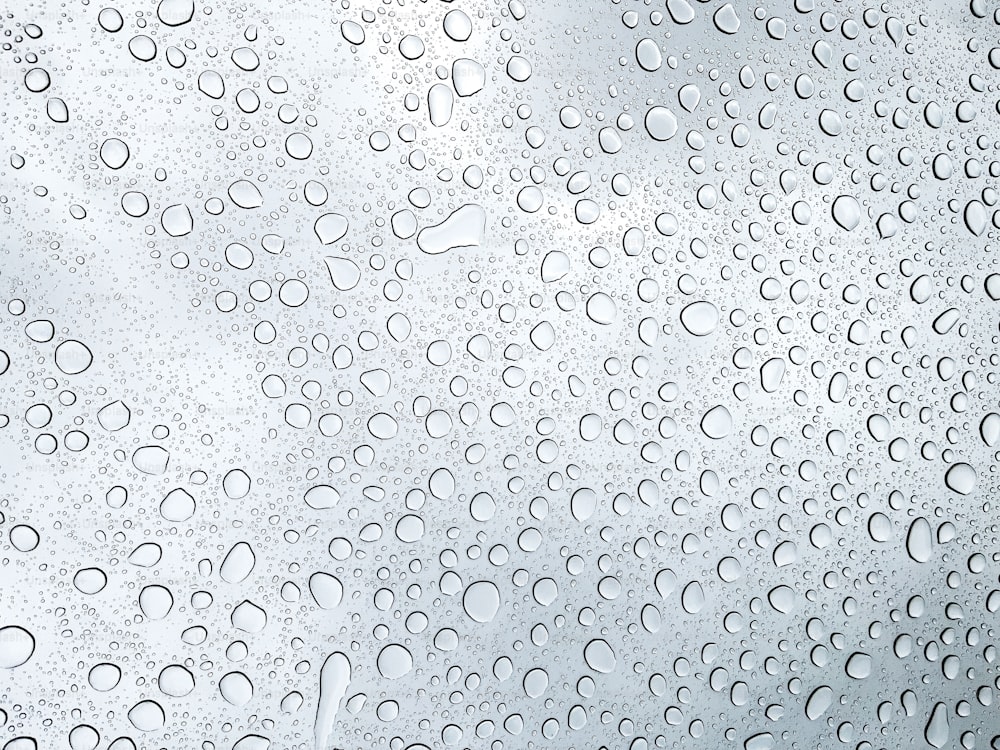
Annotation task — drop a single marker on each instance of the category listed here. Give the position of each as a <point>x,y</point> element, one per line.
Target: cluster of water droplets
<point>488,374</point>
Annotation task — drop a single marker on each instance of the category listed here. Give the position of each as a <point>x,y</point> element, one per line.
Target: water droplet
<point>717,422</point>
<point>660,123</point>
<point>937,729</point>
<point>114,153</point>
<point>599,656</point>
<point>700,318</point>
<point>961,478</point>
<point>394,661</point>
<point>726,20</point>
<point>818,702</point>
<point>17,645</point>
<point>175,12</point>
<point>481,601</point>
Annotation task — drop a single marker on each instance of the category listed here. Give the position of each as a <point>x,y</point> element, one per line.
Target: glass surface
<point>499,375</point>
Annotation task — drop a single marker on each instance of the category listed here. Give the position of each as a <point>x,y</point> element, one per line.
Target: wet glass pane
<point>499,375</point>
